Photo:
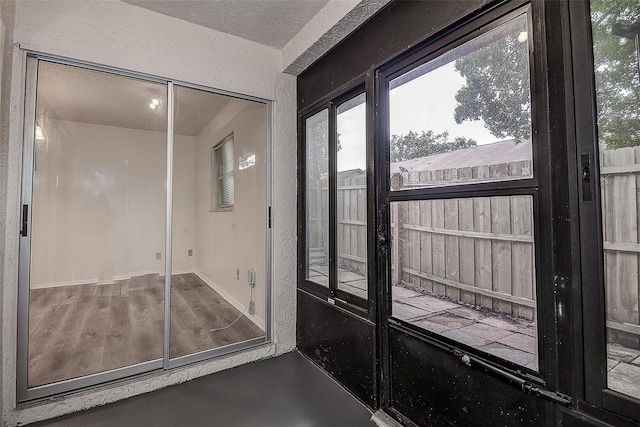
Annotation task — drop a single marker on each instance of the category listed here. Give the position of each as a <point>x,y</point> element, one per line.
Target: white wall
<point>231,241</point>
<point>98,211</point>
<point>116,34</point>
<point>121,35</point>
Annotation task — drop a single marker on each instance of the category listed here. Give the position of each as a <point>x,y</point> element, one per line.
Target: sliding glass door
<point>132,187</point>
<point>219,204</point>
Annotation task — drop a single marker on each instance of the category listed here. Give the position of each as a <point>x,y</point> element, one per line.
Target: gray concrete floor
<point>284,391</point>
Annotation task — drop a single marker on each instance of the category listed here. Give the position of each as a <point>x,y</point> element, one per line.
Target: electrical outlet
<point>237,274</point>
<point>190,252</point>
<point>252,308</point>
<point>251,277</point>
<point>158,255</point>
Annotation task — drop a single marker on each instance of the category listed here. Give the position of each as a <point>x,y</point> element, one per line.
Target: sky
<point>425,103</point>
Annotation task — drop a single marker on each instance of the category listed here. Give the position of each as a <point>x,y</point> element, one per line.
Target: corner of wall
<point>284,214</point>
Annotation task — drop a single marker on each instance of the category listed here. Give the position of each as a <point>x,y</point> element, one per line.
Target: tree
<point>497,84</point>
<point>616,71</point>
<point>414,145</point>
<point>497,78</point>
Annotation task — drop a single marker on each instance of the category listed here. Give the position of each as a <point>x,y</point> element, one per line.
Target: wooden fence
<point>620,191</point>
<point>481,250</point>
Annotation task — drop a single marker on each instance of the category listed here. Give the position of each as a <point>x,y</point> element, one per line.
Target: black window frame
<point>332,294</point>
<point>534,186</point>
<point>593,397</point>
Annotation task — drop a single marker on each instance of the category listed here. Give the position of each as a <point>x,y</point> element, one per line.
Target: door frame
<point>24,393</point>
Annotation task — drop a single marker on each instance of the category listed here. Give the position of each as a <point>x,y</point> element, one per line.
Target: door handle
<point>25,220</point>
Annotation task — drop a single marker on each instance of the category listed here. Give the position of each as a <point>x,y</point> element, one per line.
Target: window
<point>222,167</point>
<point>335,200</point>
<point>463,268</point>
<point>608,144</point>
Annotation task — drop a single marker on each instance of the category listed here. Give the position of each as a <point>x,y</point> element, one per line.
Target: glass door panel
<point>351,209</point>
<point>97,234</point>
<point>218,282</point>
<point>616,49</point>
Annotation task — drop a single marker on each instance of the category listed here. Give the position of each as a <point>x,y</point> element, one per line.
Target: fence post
<point>395,245</point>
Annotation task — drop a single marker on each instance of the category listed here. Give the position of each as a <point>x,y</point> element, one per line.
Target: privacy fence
<point>481,250</point>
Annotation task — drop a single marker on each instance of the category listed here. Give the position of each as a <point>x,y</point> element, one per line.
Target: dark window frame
<point>332,294</point>
<point>595,398</point>
<point>527,186</point>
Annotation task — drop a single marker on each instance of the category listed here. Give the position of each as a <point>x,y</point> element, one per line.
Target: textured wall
<point>284,185</point>
<point>121,35</point>
<point>332,24</point>
<point>124,36</point>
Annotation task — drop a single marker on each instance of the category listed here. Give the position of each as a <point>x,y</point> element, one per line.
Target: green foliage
<point>616,72</point>
<point>497,85</point>
<point>414,145</point>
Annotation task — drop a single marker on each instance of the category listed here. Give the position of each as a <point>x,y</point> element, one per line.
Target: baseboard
<point>92,281</point>
<point>231,300</point>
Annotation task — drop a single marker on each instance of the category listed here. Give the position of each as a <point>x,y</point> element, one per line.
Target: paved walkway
<point>623,370</point>
<point>507,337</point>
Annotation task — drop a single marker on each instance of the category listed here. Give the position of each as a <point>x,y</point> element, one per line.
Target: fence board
<point>451,243</point>
<point>438,246</point>
<point>501,251</point>
<point>467,247</point>
<point>522,255</point>
<point>621,216</point>
<point>426,263</point>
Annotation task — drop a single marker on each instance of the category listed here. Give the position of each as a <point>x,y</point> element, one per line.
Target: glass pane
<point>465,116</point>
<point>98,224</point>
<point>464,268</point>
<point>616,48</point>
<point>213,302</point>
<point>317,198</point>
<point>351,204</point>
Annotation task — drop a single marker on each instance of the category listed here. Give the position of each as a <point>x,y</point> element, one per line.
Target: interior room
<point>97,270</point>
<point>320,212</point>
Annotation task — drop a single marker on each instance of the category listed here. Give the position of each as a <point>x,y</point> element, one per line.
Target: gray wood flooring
<point>81,330</point>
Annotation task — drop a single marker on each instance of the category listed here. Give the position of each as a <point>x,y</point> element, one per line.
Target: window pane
<point>464,116</point>
<point>351,204</point>
<point>616,34</point>
<point>464,268</point>
<point>317,197</point>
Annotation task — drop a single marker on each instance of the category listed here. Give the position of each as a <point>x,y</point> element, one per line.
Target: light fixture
<point>39,134</point>
<point>154,103</point>
<point>523,36</point>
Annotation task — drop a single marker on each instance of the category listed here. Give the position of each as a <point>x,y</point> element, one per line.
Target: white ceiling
<point>269,22</point>
<point>88,96</point>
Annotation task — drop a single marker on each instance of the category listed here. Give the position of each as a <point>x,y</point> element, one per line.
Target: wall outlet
<point>251,277</point>
<point>252,308</point>
<point>190,252</point>
<point>158,255</point>
<point>237,274</point>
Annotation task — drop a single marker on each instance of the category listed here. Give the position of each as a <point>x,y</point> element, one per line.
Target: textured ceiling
<point>269,22</point>
<point>88,96</point>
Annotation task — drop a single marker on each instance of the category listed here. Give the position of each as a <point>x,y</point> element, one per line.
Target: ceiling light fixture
<point>523,36</point>
<point>154,103</point>
<point>39,134</point>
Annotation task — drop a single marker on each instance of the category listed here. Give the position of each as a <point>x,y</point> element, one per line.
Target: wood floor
<point>80,330</point>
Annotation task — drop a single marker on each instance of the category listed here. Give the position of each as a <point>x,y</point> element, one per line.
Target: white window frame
<point>217,180</point>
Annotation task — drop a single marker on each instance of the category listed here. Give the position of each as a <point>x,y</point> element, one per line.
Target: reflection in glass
<point>351,215</point>
<point>98,224</point>
<point>218,227</point>
<point>317,197</point>
<point>464,268</point>
<point>616,54</point>
<point>464,116</point>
